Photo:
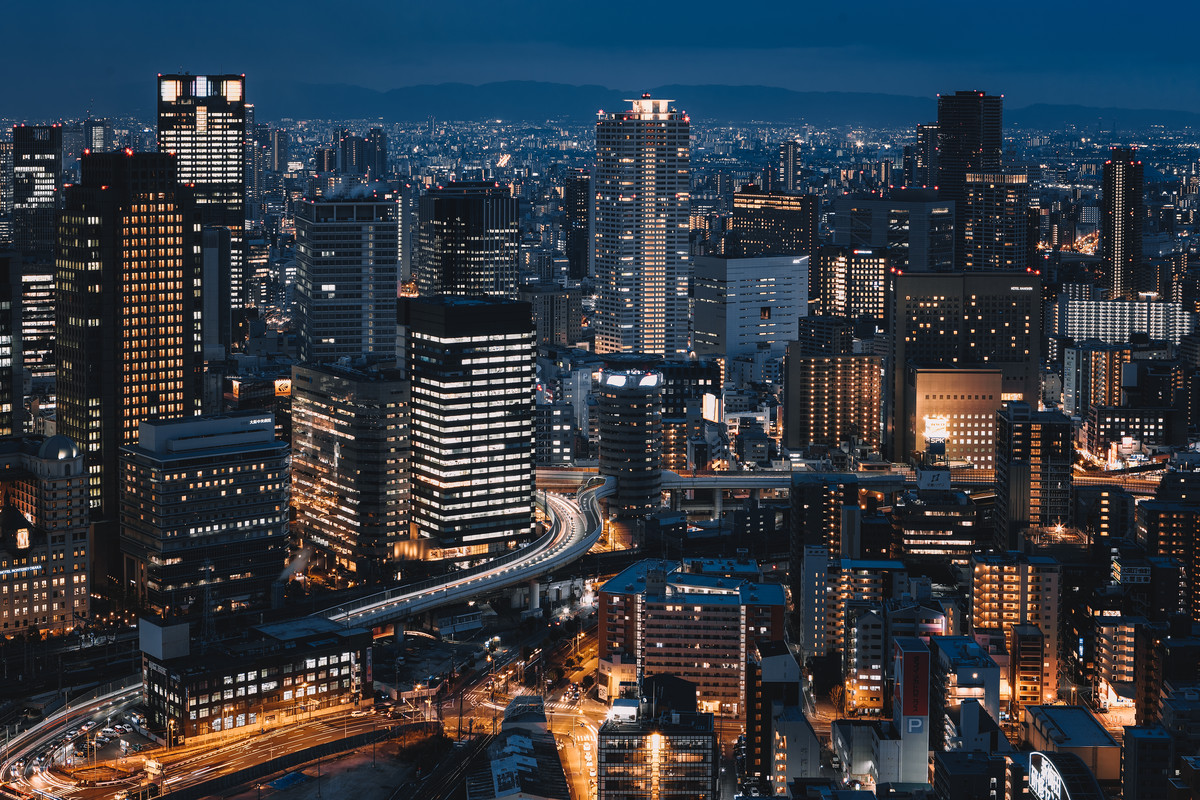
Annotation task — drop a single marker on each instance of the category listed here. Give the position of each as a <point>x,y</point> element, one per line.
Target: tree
<point>837,696</point>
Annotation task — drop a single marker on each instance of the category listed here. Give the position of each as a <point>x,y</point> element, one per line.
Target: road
<point>576,527</point>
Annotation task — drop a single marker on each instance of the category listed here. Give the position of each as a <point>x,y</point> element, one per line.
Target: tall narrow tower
<point>640,238</point>
<point>970,139</point>
<point>1121,221</point>
<point>202,120</point>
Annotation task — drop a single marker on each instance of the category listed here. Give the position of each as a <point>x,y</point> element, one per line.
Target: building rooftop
<point>699,588</point>
<point>1070,726</point>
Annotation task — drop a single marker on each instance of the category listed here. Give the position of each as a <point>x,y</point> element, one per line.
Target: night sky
<point>1096,54</point>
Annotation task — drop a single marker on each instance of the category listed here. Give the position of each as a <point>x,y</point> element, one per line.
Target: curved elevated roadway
<point>575,528</point>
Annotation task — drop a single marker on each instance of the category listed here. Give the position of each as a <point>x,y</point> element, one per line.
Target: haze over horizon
<point>1035,54</point>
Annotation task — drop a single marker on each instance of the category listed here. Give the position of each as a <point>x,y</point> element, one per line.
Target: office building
<point>1146,756</point>
<point>642,186</point>
<point>937,525</point>
<point>994,220</point>
<point>1122,219</point>
<point>1092,375</point>
<point>44,535</point>
<point>346,275</point>
<point>350,470</point>
<point>557,313</point>
<point>1011,589</point>
<point>11,366</point>
<point>469,237</point>
<point>747,305</point>
<point>471,363</point>
<point>1034,455</point>
<point>970,139</point>
<point>202,120</point>
<point>1115,321</point>
<point>913,228</point>
<point>37,306</point>
<point>577,212</point>
<point>852,283</point>
<point>969,775</point>
<point>1167,525</point>
<point>375,155</point>
<point>643,755</point>
<point>772,224</point>
<point>97,135</point>
<point>630,406</point>
<point>37,182</point>
<point>925,166</point>
<point>553,435</point>
<point>962,320</point>
<point>275,674</point>
<point>1072,730</point>
<point>699,627</point>
<point>824,335</point>
<point>952,414</point>
<point>831,398</point>
<point>791,168</point>
<point>960,670</point>
<point>204,513</point>
<point>280,150</point>
<point>128,335</point>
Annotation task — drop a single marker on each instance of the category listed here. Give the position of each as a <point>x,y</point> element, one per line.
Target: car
<point>73,732</point>
<point>109,731</point>
<point>358,713</point>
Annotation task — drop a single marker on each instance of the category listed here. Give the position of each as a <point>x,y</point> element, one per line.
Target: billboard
<point>912,681</point>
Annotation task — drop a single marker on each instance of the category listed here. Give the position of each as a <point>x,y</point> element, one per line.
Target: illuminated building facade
<point>1092,375</point>
<point>276,674</point>
<point>970,139</point>
<point>995,222</point>
<point>44,535</point>
<point>128,330</point>
<point>10,344</point>
<point>980,320</point>
<point>791,167</point>
<point>698,627</point>
<point>631,429</point>
<point>469,239</point>
<point>38,294</point>
<point>557,312</point>
<point>1167,525</point>
<point>36,188</point>
<point>1122,221</point>
<point>648,758</point>
<point>471,362</point>
<point>202,120</point>
<point>1011,589</point>
<point>773,224</point>
<point>953,413</point>
<point>642,186</point>
<point>577,213</point>
<point>831,398</point>
<point>204,513</point>
<point>346,274</point>
<point>936,525</point>
<point>1034,454</point>
<point>853,282</point>
<point>350,461</point>
<point>913,228</point>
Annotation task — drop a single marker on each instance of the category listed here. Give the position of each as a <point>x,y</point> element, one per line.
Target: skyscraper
<point>346,273</point>
<point>202,120</point>
<point>773,224</point>
<point>970,139</point>
<point>37,183</point>
<point>469,238</point>
<point>995,222</point>
<point>577,211</point>
<point>128,330</point>
<point>642,186</point>
<point>1121,222</point>
<point>204,512</point>
<point>925,172</point>
<point>376,154</point>
<point>1034,451</point>
<point>630,408</point>
<point>912,227</point>
<point>471,362</point>
<point>10,344</point>
<point>791,170</point>
<point>852,282</point>
<point>977,319</point>
<point>280,142</point>
<point>350,477</point>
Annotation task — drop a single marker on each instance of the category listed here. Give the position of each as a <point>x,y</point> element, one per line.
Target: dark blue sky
<point>1099,53</point>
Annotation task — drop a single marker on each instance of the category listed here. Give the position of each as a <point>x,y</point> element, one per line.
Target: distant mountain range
<point>534,100</point>
<point>537,101</point>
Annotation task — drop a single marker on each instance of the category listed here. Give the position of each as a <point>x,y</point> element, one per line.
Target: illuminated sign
<point>283,387</point>
<point>937,426</point>
<point>23,538</point>
<point>1020,288</point>
<point>1045,782</point>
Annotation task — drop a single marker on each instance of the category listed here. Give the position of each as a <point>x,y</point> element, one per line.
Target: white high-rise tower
<point>640,237</point>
